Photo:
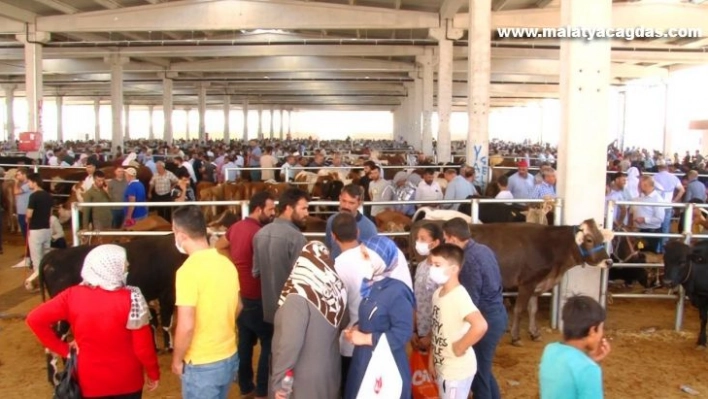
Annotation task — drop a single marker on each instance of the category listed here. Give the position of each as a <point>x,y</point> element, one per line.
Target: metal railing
<point>76,233</point>
<point>687,235</point>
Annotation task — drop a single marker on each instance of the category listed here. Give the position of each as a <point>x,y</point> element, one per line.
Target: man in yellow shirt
<point>208,303</point>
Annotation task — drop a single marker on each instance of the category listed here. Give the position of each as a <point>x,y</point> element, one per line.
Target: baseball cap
<point>523,164</point>
<point>131,171</point>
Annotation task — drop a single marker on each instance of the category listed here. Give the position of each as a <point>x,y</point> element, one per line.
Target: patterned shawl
<point>105,267</point>
<point>313,277</point>
<point>383,254</point>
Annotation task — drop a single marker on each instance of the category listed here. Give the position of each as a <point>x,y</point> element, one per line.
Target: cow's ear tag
<point>640,245</point>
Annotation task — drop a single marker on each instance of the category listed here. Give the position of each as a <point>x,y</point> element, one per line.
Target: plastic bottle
<point>287,385</point>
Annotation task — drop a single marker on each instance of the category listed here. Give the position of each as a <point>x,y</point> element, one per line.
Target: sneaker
<point>23,263</point>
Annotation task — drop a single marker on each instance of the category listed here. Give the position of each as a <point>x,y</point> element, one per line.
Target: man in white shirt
<point>619,192</point>
<point>380,189</point>
<point>428,189</point>
<point>350,266</point>
<point>287,171</point>
<point>648,219</point>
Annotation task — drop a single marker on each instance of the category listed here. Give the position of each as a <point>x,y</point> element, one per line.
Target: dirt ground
<point>648,359</point>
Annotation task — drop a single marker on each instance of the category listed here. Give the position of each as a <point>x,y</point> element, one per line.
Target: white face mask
<point>438,275</point>
<point>179,247</point>
<point>422,248</point>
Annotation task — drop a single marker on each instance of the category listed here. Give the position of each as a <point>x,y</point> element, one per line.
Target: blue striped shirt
<point>542,190</point>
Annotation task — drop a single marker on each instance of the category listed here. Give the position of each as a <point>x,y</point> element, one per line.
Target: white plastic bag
<point>382,378</point>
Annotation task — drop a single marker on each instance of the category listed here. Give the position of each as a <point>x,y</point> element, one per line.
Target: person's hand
<point>415,341</point>
<point>129,222</point>
<point>178,367</point>
<point>602,351</point>
<point>459,349</point>
<point>151,385</point>
<point>281,395</point>
<point>424,344</point>
<point>431,368</point>
<point>640,219</point>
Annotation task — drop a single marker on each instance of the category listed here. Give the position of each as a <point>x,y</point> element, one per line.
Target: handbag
<point>423,385</point>
<point>68,387</point>
<point>382,378</point>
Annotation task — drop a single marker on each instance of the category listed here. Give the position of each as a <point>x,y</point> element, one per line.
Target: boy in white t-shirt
<point>457,325</point>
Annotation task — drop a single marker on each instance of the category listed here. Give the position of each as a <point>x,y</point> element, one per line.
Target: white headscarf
<point>105,267</point>
<point>129,159</point>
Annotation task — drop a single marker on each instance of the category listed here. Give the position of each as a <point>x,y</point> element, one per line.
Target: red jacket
<point>111,358</point>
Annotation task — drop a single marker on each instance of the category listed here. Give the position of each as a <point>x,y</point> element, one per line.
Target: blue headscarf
<point>387,250</point>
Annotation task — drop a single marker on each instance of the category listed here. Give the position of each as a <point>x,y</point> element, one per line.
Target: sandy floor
<point>648,360</point>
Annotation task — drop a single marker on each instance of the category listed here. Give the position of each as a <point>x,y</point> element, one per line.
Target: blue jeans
<point>209,381</point>
<point>118,218</point>
<point>252,328</point>
<point>255,174</point>
<point>22,221</point>
<point>484,385</point>
<point>665,227</point>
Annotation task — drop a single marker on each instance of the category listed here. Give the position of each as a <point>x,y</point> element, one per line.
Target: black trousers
<point>163,211</point>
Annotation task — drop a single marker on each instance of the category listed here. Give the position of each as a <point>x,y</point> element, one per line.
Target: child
<point>457,325</point>
<point>503,183</point>
<point>569,369</point>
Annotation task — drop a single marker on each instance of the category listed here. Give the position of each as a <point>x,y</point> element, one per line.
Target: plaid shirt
<point>163,183</point>
<point>542,190</point>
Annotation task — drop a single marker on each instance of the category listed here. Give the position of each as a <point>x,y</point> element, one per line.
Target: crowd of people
<point>319,311</point>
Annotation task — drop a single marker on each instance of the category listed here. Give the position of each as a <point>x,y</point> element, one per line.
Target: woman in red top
<point>110,324</point>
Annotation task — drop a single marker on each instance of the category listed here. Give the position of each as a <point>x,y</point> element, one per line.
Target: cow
<point>428,213</point>
<point>496,212</point>
<point>688,266</point>
<point>534,257</point>
<point>625,250</point>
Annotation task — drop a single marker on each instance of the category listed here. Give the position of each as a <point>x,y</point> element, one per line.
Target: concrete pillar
<point>584,94</point>
<point>96,119</point>
<point>33,75</point>
<point>202,110</point>
<point>428,88</point>
<point>117,63</point>
<point>445,38</point>
<point>167,133</point>
<point>290,122</point>
<point>397,119</point>
<point>60,118</point>
<point>186,131</point>
<point>151,131</point>
<point>127,121</point>
<point>10,111</point>
<point>479,78</point>
<point>280,135</point>
<point>260,122</point>
<point>408,113</point>
<point>245,120</point>
<point>227,109</point>
<point>417,137</point>
<point>272,131</point>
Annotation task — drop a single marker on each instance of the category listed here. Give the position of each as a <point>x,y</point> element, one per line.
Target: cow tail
<point>40,276</point>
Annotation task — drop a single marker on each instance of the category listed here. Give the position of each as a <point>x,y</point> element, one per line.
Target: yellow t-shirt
<point>208,281</point>
<point>449,325</point>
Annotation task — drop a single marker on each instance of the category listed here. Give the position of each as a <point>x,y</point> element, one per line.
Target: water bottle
<point>287,385</point>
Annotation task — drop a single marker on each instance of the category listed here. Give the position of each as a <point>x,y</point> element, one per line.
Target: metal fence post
<point>475,211</point>
<point>604,272</point>
<point>244,209</point>
<point>687,230</point>
<point>555,296</point>
<point>75,224</point>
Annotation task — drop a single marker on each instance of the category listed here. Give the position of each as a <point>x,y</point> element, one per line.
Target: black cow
<point>624,250</point>
<point>688,266</point>
<point>533,258</point>
<point>153,266</point>
<point>496,212</point>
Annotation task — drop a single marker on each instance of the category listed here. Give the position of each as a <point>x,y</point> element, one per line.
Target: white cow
<point>428,213</point>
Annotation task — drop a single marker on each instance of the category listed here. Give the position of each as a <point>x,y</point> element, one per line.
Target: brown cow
<point>534,257</point>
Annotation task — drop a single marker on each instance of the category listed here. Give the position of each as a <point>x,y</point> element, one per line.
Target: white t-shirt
<point>350,268</point>
<point>449,325</point>
<point>506,194</point>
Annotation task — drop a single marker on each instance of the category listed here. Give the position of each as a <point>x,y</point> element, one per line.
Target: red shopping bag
<point>424,387</point>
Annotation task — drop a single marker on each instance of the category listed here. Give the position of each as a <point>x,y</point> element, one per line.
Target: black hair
<point>344,227</point>
<point>290,197</point>
<point>190,219</point>
<point>458,228</point>
<point>370,164</point>
<point>580,314</point>
<point>99,173</point>
<point>259,200</point>
<point>182,174</point>
<point>434,230</point>
<point>449,252</point>
<point>503,181</point>
<point>428,171</point>
<point>35,178</point>
<point>353,190</point>
<point>618,175</point>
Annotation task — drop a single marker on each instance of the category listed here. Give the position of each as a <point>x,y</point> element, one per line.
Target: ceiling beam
<point>9,26</point>
<point>543,3</point>
<point>498,5</point>
<point>244,15</point>
<point>16,13</point>
<point>698,43</point>
<point>110,4</point>
<point>292,63</point>
<point>59,6</point>
<point>449,8</point>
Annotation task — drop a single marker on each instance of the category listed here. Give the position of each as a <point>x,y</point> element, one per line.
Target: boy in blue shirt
<point>570,369</point>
